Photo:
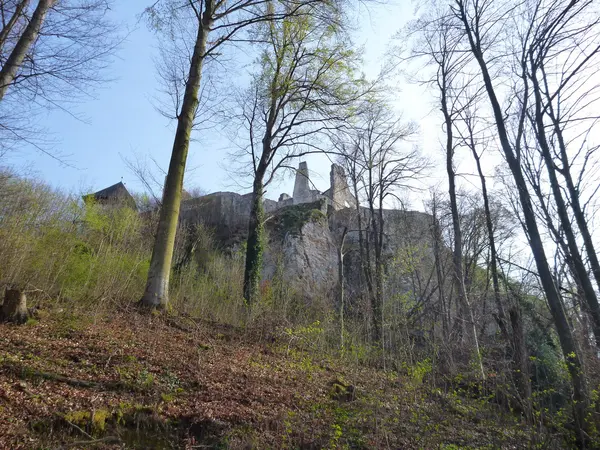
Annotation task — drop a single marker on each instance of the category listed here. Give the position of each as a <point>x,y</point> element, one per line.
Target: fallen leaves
<point>154,384</point>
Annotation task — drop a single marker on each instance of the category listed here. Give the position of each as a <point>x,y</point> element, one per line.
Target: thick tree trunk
<point>368,267</point>
<point>255,242</point>
<point>254,247</point>
<point>157,287</point>
<point>378,303</point>
<point>377,289</point>
<point>14,308</point>
<point>19,52</point>
<point>568,345</point>
<point>565,221</point>
<point>20,8</point>
<point>379,268</point>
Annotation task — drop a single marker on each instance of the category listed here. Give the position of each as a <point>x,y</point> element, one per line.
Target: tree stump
<point>14,308</point>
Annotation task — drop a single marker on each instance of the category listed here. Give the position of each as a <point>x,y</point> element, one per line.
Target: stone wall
<point>231,210</point>
<point>304,239</point>
<point>227,211</point>
<point>299,237</point>
<point>400,227</point>
<point>407,242</point>
<point>339,194</point>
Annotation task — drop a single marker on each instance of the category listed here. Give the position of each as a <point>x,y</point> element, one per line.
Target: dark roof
<point>115,192</point>
<point>112,191</point>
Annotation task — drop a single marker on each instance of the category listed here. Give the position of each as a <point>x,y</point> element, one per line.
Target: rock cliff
<point>304,240</point>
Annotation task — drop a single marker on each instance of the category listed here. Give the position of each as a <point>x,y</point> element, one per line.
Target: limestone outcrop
<point>304,234</point>
<point>302,249</point>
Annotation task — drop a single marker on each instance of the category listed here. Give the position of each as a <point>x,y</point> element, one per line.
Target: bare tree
<point>482,22</point>
<point>24,43</point>
<point>52,55</point>
<point>54,51</point>
<point>561,34</point>
<point>12,13</point>
<point>379,169</point>
<point>513,333</point>
<point>439,44</point>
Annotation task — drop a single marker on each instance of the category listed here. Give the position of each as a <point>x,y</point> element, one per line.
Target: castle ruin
<point>338,196</point>
<point>308,250</point>
<point>229,212</point>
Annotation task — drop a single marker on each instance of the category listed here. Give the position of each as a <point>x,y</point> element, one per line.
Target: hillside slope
<point>144,381</point>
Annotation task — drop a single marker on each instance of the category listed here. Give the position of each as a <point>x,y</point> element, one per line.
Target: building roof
<point>115,193</point>
<point>115,190</point>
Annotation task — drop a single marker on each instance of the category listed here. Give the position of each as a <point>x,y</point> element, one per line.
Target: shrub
<point>53,245</point>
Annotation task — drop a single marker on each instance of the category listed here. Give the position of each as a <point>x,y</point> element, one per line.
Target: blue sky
<point>121,120</point>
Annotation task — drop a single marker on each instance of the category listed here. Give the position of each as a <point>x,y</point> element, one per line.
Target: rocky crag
<point>305,234</point>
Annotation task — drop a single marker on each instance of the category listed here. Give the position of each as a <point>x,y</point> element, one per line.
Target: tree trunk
<point>568,345</point>
<point>379,269</point>
<point>517,339</point>
<point>458,270</point>
<point>437,237</point>
<point>157,287</point>
<point>521,362</point>
<point>377,292</point>
<point>565,221</point>
<point>6,30</point>
<point>573,190</point>
<point>254,247</point>
<point>17,56</point>
<point>457,251</point>
<point>14,308</point>
<point>341,284</point>
<point>501,318</point>
<point>580,217</point>
<point>378,303</point>
<point>364,250</point>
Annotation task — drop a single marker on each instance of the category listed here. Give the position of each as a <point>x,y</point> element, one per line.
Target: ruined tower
<point>339,192</point>
<point>302,192</point>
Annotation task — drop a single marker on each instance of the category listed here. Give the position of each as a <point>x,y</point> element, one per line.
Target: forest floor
<point>144,381</point>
